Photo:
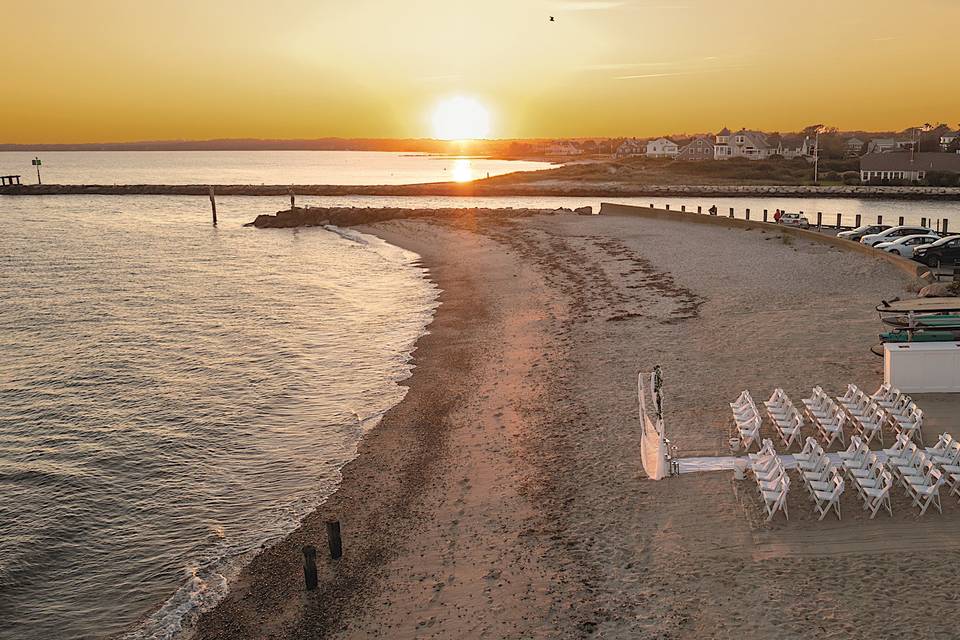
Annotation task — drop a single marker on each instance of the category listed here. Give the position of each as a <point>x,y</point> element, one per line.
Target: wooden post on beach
<point>944,230</point>
<point>839,220</point>
<point>857,223</point>
<point>764,215</point>
<point>901,221</point>
<point>879,219</point>
<point>748,214</point>
<point>310,567</point>
<point>333,539</point>
<point>731,212</point>
<point>923,222</point>
<point>938,225</point>
<point>651,205</point>
<point>668,207</point>
<point>213,205</point>
<point>819,220</point>
<point>683,208</point>
<point>699,209</point>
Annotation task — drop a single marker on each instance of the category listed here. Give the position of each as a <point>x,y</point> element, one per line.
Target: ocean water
<point>253,167</point>
<point>174,395</point>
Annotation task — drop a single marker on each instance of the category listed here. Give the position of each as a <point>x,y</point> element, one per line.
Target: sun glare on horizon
<point>461,118</point>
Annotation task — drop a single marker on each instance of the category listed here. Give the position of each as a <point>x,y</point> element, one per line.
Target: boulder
<point>584,211</point>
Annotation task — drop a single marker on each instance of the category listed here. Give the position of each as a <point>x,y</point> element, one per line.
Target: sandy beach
<point>504,497</point>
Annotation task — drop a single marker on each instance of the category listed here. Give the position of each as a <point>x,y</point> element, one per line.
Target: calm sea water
<point>252,167</point>
<point>173,395</point>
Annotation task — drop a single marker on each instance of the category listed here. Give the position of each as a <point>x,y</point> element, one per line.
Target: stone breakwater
<point>501,186</point>
<point>349,216</point>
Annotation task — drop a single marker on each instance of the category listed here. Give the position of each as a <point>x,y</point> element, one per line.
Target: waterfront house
<point>907,166</point>
<point>631,147</point>
<point>853,147</point>
<point>662,148</point>
<point>948,138</point>
<point>881,145</point>
<point>561,148</point>
<point>700,148</point>
<point>742,144</point>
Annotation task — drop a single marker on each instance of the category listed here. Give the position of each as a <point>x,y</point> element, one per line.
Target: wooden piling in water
<point>310,567</point>
<point>333,539</point>
<point>213,205</point>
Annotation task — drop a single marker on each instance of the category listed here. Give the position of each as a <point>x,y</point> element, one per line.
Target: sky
<point>125,70</point>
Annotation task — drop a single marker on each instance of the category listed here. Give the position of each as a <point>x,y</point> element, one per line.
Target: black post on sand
<point>857,223</point>
<point>764,215</point>
<point>213,205</point>
<point>819,220</point>
<point>310,567</point>
<point>334,540</point>
<point>731,212</point>
<point>839,220</point>
<point>748,214</point>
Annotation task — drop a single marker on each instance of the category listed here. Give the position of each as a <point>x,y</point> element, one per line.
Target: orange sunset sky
<point>120,70</point>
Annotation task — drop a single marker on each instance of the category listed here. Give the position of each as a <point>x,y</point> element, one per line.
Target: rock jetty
<point>349,216</point>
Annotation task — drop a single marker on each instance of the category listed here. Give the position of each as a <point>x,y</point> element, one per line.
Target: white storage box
<point>922,367</point>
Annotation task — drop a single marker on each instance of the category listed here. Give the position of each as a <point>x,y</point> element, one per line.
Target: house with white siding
<point>662,148</point>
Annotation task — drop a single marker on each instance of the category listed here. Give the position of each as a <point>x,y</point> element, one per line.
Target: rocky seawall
<point>498,187</point>
<point>349,216</point>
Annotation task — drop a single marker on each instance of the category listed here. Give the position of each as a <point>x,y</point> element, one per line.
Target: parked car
<point>794,220</point>
<point>862,230</point>
<point>893,233</point>
<point>943,251</point>
<point>904,246</point>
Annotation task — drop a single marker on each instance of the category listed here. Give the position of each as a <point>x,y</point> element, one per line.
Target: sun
<point>460,118</point>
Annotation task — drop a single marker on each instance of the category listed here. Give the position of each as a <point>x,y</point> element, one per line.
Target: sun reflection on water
<point>462,170</point>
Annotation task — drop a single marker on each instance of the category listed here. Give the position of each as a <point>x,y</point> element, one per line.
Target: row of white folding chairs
<point>773,483</point>
<point>866,415</point>
<point>946,455</point>
<point>747,419</point>
<point>823,480</point>
<point>785,417</point>
<point>868,476</point>
<point>826,415</point>
<point>902,412</point>
<point>916,472</point>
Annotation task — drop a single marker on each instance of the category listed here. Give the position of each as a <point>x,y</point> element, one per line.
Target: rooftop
<point>924,161</point>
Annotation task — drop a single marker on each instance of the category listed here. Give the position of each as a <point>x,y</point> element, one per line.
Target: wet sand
<point>504,497</point>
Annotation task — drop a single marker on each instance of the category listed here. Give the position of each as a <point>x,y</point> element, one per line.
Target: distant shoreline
<point>497,187</point>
